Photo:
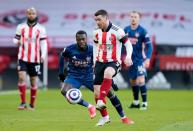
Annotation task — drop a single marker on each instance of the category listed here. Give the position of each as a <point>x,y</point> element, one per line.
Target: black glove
<point>61,77</point>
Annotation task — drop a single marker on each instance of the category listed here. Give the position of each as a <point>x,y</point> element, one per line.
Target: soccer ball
<point>74,95</point>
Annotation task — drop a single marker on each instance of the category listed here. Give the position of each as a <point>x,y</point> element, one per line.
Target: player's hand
<point>128,62</point>
<point>61,77</point>
<point>146,63</point>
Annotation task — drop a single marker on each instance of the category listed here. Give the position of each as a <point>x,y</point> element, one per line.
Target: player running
<point>79,68</point>
<point>137,72</point>
<point>31,39</point>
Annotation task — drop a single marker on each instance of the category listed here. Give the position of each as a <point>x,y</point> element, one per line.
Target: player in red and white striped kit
<point>108,40</point>
<point>31,39</point>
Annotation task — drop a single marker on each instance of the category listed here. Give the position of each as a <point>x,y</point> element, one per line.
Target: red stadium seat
<point>4,62</point>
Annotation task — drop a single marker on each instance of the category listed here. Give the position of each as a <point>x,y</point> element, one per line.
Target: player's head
<point>81,39</point>
<point>134,18</point>
<point>31,15</point>
<point>101,18</point>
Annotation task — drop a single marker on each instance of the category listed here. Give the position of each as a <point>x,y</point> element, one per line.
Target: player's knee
<point>21,79</point>
<point>109,72</point>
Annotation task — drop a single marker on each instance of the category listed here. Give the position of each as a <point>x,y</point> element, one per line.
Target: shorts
<point>136,71</point>
<point>77,83</point>
<point>33,69</point>
<point>100,68</point>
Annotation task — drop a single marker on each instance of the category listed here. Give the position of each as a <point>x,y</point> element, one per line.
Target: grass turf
<point>170,110</point>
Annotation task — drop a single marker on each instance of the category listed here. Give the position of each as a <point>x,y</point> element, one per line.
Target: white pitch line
<point>13,92</point>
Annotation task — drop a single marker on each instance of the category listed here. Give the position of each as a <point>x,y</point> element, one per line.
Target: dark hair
<point>101,12</point>
<point>81,32</point>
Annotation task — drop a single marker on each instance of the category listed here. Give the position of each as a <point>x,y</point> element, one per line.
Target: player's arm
<point>43,44</point>
<point>129,49</point>
<point>63,64</point>
<point>17,38</point>
<point>148,50</point>
<point>95,40</point>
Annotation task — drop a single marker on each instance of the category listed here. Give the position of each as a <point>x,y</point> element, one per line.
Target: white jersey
<point>108,44</point>
<point>33,40</point>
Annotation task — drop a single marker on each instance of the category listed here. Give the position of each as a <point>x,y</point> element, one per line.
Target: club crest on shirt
<point>111,39</point>
<point>88,59</point>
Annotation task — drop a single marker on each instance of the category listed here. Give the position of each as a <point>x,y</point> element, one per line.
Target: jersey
<point>138,37</point>
<point>31,38</point>
<point>80,63</point>
<point>108,44</point>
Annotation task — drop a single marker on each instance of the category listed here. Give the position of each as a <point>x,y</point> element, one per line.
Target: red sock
<point>22,91</point>
<point>103,111</point>
<point>33,93</point>
<point>105,87</point>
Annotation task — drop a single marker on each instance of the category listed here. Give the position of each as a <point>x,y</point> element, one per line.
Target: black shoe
<point>31,107</point>
<point>22,106</point>
<point>134,106</point>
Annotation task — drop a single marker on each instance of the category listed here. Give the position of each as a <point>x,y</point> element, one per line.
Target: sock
<point>117,104</point>
<point>105,87</point>
<point>83,103</point>
<point>135,90</point>
<point>33,92</point>
<point>103,112</point>
<point>22,91</point>
<point>143,90</point>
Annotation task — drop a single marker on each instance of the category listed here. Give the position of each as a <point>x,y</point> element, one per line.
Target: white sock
<point>106,117</point>
<point>145,103</point>
<point>135,102</point>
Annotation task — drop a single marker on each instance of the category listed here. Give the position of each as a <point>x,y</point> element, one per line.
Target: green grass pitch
<point>170,110</point>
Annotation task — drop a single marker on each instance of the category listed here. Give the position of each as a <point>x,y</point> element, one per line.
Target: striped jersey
<point>31,38</point>
<point>108,44</point>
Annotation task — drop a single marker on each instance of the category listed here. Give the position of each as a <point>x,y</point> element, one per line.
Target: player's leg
<point>105,116</point>
<point>135,91</point>
<point>117,104</point>
<point>33,91</point>
<point>132,72</point>
<point>143,89</point>
<point>33,70</point>
<point>91,108</point>
<point>141,74</point>
<point>22,84</point>
<point>70,83</point>
<point>114,86</point>
<point>111,69</point>
<point>99,71</point>
<point>106,84</point>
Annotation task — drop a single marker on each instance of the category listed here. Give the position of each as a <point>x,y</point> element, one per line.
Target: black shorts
<point>33,69</point>
<point>100,68</point>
